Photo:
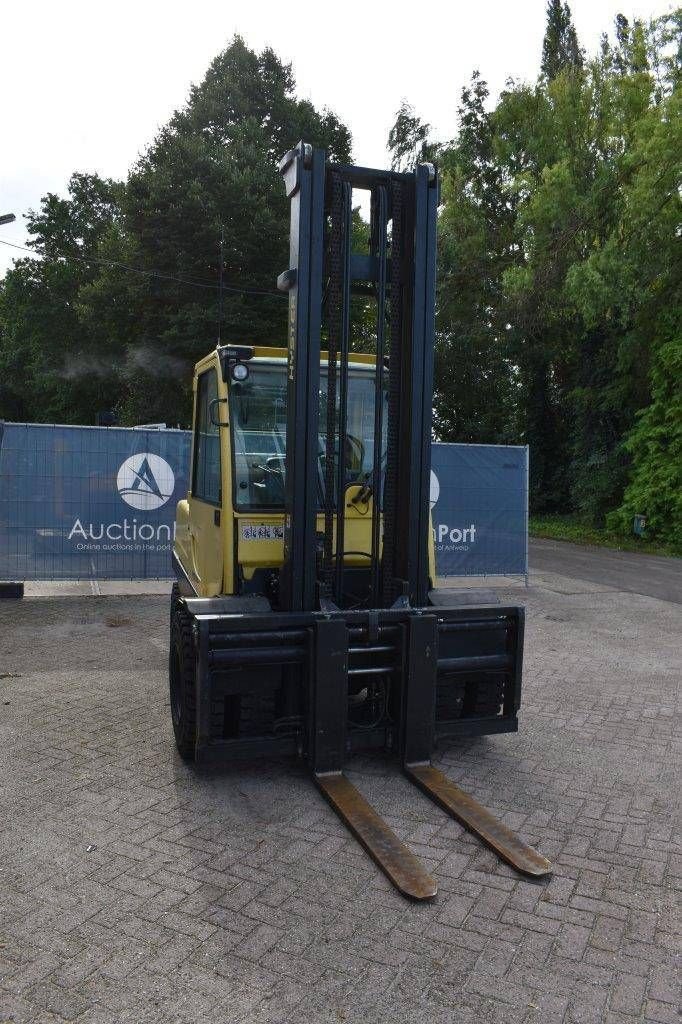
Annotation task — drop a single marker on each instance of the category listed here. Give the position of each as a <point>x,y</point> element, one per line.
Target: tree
<point>213,170</point>
<point>634,279</point>
<point>123,326</point>
<point>558,273</point>
<point>560,48</point>
<point>49,367</point>
<point>474,380</point>
<point>408,140</point>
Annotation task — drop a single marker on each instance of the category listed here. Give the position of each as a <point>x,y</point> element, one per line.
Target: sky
<point>85,86</point>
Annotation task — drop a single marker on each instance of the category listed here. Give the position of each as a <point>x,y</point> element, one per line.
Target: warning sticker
<point>262,531</point>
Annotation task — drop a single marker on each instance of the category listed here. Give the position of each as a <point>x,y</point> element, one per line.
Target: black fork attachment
<point>416,671</point>
<point>388,664</point>
<point>333,683</point>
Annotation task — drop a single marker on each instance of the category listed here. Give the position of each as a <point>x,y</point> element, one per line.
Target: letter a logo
<point>145,481</point>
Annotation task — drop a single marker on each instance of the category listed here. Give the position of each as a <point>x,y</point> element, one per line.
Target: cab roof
<point>246,352</point>
<point>270,352</point>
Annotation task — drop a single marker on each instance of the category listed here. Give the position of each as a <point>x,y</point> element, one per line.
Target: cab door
<point>205,498</point>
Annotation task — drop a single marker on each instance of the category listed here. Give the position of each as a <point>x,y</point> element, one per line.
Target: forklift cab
<point>230,527</point>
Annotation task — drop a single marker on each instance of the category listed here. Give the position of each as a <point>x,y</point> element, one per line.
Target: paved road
<point>136,890</point>
<point>625,570</point>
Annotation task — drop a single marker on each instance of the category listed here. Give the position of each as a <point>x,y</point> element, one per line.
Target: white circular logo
<point>434,489</point>
<point>145,481</point>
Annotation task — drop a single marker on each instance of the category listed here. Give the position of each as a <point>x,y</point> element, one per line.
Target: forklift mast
<point>399,270</point>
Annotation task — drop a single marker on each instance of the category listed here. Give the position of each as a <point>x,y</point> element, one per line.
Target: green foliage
<point>579,530</point>
<point>50,368</point>
<point>79,337</point>
<point>559,274</point>
<point>475,379</point>
<point>655,444</point>
<point>408,140</point>
<point>560,50</point>
<point>212,170</point>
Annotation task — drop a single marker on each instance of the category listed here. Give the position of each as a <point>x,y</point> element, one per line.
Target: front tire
<point>182,683</point>
<point>174,601</point>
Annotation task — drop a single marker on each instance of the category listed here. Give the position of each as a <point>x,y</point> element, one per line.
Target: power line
<point>152,273</point>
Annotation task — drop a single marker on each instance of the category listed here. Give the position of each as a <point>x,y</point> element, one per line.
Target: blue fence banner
<point>99,503</point>
<point>89,502</point>
<point>479,509</point>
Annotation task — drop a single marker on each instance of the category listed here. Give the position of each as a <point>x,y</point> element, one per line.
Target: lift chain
<point>394,375</point>
<point>334,302</point>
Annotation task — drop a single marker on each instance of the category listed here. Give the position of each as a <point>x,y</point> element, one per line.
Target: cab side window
<point>206,468</point>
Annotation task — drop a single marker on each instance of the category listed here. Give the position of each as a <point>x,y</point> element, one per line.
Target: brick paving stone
<point>666,985</point>
<point>572,941</point>
<point>57,1000</point>
<point>661,1013</point>
<point>137,890</point>
<point>628,993</point>
<point>455,910</point>
<point>607,933</point>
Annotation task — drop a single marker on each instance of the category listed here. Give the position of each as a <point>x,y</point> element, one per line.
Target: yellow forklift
<point>305,620</point>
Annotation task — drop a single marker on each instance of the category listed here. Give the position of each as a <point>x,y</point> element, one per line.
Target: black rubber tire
<point>182,684</point>
<point>174,599</point>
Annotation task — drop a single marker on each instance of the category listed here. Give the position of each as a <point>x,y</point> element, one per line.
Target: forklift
<point>305,620</point>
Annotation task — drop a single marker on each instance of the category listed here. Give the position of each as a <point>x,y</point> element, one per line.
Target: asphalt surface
<point>627,571</point>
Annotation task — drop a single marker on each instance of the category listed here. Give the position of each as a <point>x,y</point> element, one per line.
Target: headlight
<point>240,371</point>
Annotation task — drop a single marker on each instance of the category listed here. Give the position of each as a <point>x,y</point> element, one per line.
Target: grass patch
<point>578,531</point>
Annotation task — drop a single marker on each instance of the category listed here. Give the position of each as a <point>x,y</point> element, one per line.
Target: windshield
<point>258,421</point>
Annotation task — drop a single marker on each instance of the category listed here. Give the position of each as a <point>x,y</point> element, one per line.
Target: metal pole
<point>526,509</point>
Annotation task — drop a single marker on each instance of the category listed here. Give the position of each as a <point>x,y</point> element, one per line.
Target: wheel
<point>174,599</point>
<point>182,681</point>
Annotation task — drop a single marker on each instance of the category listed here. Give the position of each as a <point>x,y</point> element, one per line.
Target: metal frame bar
<point>415,414</point>
<point>303,169</point>
<point>208,609</point>
<point>419,688</point>
<point>329,696</point>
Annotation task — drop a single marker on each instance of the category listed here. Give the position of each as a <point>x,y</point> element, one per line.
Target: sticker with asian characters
<point>262,531</point>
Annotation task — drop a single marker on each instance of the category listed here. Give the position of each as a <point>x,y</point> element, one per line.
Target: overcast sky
<point>86,85</point>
